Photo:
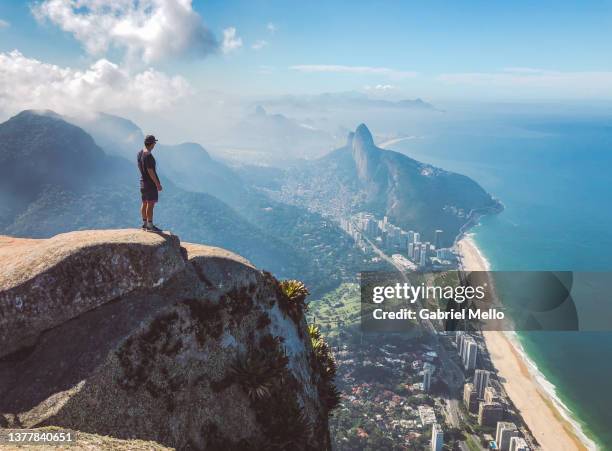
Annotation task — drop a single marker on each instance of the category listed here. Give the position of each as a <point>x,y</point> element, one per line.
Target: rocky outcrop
<point>47,282</point>
<point>137,336</point>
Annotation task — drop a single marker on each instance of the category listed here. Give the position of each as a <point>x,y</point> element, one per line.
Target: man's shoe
<point>144,226</point>
<point>152,228</point>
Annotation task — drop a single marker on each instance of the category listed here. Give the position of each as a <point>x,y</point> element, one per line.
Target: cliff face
<point>137,336</point>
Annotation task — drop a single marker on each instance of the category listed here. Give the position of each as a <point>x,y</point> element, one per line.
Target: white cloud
<point>271,27</point>
<point>259,44</point>
<point>30,83</point>
<point>379,87</point>
<point>4,24</point>
<point>367,70</point>
<point>231,41</point>
<point>146,29</point>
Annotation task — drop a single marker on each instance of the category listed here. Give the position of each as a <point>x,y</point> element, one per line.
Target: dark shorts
<point>149,193</point>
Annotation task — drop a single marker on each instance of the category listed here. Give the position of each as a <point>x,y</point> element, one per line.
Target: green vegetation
<point>337,314</point>
<point>258,372</point>
<point>295,299</point>
<point>325,366</point>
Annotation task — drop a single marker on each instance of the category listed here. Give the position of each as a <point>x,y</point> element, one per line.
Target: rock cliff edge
<point>136,335</point>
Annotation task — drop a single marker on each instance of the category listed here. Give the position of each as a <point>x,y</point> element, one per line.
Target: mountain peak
<point>35,115</point>
<point>260,111</point>
<point>363,136</point>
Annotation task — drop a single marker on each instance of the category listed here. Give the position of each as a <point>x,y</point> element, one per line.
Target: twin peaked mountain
<point>363,177</point>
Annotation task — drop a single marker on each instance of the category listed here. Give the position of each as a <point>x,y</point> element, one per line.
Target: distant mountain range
<point>363,177</point>
<point>55,178</point>
<point>277,137</point>
<point>350,99</point>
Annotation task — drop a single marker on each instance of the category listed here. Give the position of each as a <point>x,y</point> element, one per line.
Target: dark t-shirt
<point>145,162</point>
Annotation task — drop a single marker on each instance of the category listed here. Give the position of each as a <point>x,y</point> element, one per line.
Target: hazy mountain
<point>188,165</point>
<point>66,182</point>
<point>362,177</point>
<point>276,138</point>
<point>56,179</point>
<point>35,153</point>
<point>346,100</point>
<point>115,135</point>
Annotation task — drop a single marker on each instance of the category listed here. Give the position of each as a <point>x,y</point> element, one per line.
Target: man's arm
<point>153,176</point>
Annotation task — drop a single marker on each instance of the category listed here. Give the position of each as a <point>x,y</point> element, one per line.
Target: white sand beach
<point>547,421</point>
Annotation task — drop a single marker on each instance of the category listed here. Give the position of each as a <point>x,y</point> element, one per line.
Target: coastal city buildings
<point>491,395</point>
<point>481,381</point>
<point>427,415</point>
<point>470,398</point>
<point>427,373</point>
<point>406,243</point>
<point>518,444</point>
<point>490,413</point>
<point>504,433</point>
<point>438,239</point>
<point>469,352</point>
<point>437,437</point>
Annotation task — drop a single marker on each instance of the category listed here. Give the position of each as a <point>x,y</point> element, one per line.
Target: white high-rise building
<point>481,381</point>
<point>518,444</point>
<point>469,354</point>
<point>417,237</point>
<point>410,250</point>
<point>438,239</point>
<point>411,236</point>
<point>427,373</point>
<point>459,337</point>
<point>437,437</point>
<point>504,433</point>
<point>423,256</point>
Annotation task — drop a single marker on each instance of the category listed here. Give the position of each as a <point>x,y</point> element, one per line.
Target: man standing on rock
<point>149,183</point>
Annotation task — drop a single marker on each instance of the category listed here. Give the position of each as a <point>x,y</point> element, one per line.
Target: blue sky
<point>478,50</point>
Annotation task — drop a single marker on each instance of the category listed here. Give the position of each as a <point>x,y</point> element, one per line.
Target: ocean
<point>552,171</point>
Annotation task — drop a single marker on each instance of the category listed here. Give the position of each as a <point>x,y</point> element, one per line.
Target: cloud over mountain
<point>30,83</point>
<point>150,30</point>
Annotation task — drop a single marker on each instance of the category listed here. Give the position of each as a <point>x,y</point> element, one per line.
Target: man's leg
<point>149,211</point>
<point>143,212</point>
<point>150,227</point>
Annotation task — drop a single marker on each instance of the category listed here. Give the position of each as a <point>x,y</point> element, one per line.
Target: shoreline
<point>548,419</point>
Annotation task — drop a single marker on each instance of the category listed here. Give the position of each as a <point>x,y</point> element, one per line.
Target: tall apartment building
<point>427,380</point>
<point>438,239</point>
<point>469,353</point>
<point>470,398</point>
<point>437,437</point>
<point>491,395</point>
<point>481,382</point>
<point>459,337</point>
<point>504,433</point>
<point>490,413</point>
<point>518,444</point>
<point>423,255</point>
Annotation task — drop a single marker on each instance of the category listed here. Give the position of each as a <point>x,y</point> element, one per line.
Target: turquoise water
<point>553,174</point>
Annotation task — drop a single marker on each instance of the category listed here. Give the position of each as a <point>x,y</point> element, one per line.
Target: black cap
<point>150,139</point>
